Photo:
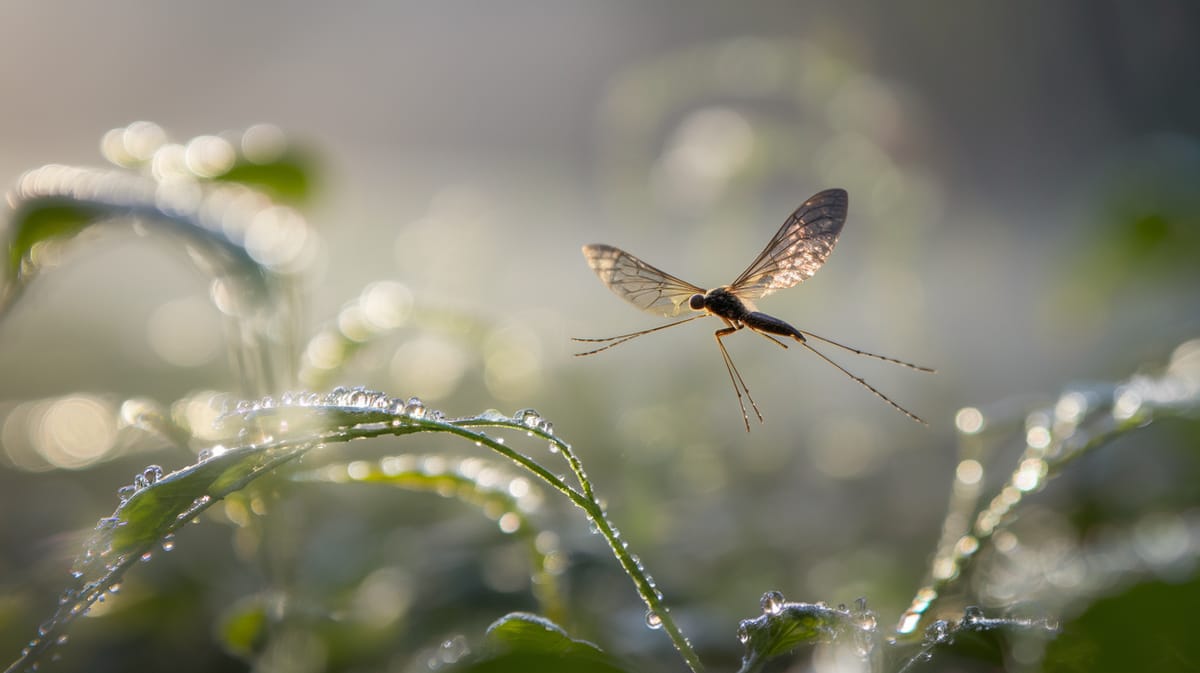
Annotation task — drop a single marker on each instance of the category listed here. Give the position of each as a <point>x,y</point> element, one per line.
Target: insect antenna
<point>863,383</point>
<point>885,358</point>
<point>611,341</point>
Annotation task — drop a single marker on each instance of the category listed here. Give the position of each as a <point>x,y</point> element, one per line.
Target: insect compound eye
<point>696,302</point>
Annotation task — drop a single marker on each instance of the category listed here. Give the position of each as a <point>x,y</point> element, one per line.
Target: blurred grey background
<point>1023,215</point>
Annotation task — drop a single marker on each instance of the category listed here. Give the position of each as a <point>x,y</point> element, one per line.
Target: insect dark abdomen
<point>761,322</point>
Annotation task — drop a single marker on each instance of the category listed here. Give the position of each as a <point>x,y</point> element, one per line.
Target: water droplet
<point>168,542</point>
<point>653,620</point>
<point>772,602</point>
<point>146,557</point>
<point>493,415</point>
<point>62,640</point>
<point>115,587</point>
<point>939,633</point>
<point>454,649</point>
<point>547,427</point>
<point>414,408</point>
<point>743,632</point>
<point>530,418</point>
<point>866,621</point>
<point>44,628</point>
<point>108,523</point>
<point>972,615</point>
<point>152,473</point>
<point>357,397</point>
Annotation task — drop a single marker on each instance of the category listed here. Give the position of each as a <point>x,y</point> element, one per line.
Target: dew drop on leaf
<point>152,473</point>
<point>939,633</point>
<point>772,602</point>
<point>972,615</point>
<point>653,620</point>
<point>414,408</point>
<point>530,418</point>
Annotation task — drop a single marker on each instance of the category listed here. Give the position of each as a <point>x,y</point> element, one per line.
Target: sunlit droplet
<point>263,143</point>
<point>134,144</point>
<point>414,408</point>
<point>209,156</point>
<point>972,615</point>
<point>1127,404</point>
<point>528,417</point>
<point>772,602</point>
<point>1071,407</point>
<point>280,239</point>
<point>509,522</point>
<point>969,472</point>
<point>1029,474</point>
<point>939,633</point>
<point>386,305</point>
<point>969,420</point>
<point>653,620</point>
<point>1038,437</point>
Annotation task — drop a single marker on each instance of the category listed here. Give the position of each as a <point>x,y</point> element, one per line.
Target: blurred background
<point>1023,216</point>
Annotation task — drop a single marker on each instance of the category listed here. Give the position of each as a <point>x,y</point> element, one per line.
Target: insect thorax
<point>724,303</point>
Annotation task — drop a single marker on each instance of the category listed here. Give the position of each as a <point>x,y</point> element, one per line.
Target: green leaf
<point>44,221</point>
<point>242,630</point>
<point>1150,627</point>
<point>520,641</point>
<point>795,624</point>
<point>154,510</point>
<point>525,632</point>
<point>288,179</point>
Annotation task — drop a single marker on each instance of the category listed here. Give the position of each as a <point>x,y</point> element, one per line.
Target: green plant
<point>247,443</point>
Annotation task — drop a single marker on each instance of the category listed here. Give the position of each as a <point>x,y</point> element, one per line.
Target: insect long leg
<point>735,377</point>
<point>611,341</point>
<point>885,358</point>
<point>863,383</point>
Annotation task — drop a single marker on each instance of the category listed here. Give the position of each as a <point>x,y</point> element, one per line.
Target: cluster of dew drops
<point>79,599</point>
<point>359,398</point>
<point>861,620</point>
<point>356,398</point>
<point>76,601</point>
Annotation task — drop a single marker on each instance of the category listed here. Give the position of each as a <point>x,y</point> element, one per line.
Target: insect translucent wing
<point>639,283</point>
<point>798,249</point>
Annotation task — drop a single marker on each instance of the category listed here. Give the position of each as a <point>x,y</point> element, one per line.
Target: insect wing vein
<point>798,249</point>
<point>639,283</point>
